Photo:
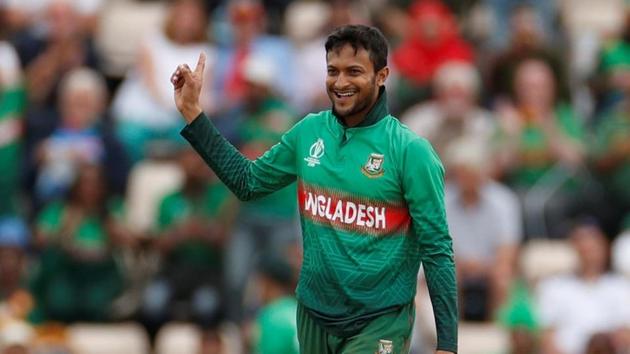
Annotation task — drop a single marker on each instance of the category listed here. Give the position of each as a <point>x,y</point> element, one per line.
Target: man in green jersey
<point>370,195</point>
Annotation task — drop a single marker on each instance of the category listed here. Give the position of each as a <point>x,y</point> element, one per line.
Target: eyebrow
<point>354,66</point>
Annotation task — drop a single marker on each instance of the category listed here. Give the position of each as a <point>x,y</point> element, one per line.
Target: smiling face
<point>351,83</point>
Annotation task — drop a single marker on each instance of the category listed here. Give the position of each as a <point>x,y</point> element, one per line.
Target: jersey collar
<point>378,111</point>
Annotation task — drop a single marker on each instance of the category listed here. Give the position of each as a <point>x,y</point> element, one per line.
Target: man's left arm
<point>423,186</point>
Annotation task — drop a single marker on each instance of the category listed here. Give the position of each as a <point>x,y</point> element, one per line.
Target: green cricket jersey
<point>371,205</point>
<point>275,329</point>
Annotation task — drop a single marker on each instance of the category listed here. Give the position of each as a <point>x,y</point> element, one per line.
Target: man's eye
<point>355,72</point>
<point>332,72</point>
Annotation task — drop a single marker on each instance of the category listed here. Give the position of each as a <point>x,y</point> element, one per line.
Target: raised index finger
<point>201,63</point>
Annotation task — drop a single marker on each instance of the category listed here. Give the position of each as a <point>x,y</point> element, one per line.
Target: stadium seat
<point>124,338</point>
<point>588,27</point>
<point>149,181</point>
<point>178,338</point>
<point>186,338</point>
<point>482,338</point>
<point>604,19</point>
<point>543,258</point>
<point>231,337</point>
<point>122,26</point>
<point>306,19</point>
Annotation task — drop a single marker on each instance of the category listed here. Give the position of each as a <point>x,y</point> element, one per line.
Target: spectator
<point>12,106</point>
<point>621,340</point>
<point>540,137</point>
<point>47,56</point>
<point>15,302</point>
<point>393,20</point>
<point>575,307</point>
<point>307,23</point>
<point>212,342</point>
<point>600,343</point>
<point>453,113</point>
<point>247,21</point>
<point>77,278</point>
<point>270,223</point>
<point>275,328</point>
<point>192,227</point>
<point>527,40</point>
<point>523,342</point>
<point>433,40</point>
<point>484,221</point>
<point>21,14</point>
<point>275,12</point>
<point>14,239</point>
<point>518,316</point>
<point>612,82</point>
<point>611,158</point>
<point>348,11</point>
<point>143,105</point>
<point>544,11</point>
<point>82,137</point>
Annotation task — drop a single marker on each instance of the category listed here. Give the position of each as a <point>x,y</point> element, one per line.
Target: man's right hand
<point>187,85</point>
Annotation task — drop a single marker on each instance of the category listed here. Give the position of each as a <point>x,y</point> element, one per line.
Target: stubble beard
<point>359,106</point>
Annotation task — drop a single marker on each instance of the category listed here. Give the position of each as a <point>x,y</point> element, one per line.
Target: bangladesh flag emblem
<point>374,166</point>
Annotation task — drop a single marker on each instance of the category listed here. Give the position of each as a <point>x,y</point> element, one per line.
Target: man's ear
<point>382,75</point>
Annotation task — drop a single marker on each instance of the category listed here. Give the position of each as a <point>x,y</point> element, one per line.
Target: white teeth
<point>347,94</point>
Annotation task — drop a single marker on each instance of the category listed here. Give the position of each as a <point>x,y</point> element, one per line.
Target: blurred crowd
<point>108,216</point>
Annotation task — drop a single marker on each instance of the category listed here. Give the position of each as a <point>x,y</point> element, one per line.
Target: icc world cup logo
<point>315,153</point>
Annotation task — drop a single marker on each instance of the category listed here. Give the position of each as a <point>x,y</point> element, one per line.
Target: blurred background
<point>115,237</point>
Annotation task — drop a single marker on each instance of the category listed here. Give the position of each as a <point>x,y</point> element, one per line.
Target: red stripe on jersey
<point>340,210</point>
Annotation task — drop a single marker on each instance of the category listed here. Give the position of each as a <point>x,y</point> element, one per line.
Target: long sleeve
<point>423,185</point>
<point>245,178</point>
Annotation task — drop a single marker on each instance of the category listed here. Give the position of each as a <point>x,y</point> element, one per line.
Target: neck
<point>356,119</point>
<point>376,110</point>
<point>353,121</point>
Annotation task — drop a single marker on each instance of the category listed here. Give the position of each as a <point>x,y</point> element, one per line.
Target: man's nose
<point>341,81</point>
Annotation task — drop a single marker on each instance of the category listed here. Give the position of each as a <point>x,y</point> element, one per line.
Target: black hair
<point>72,194</point>
<point>360,36</point>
